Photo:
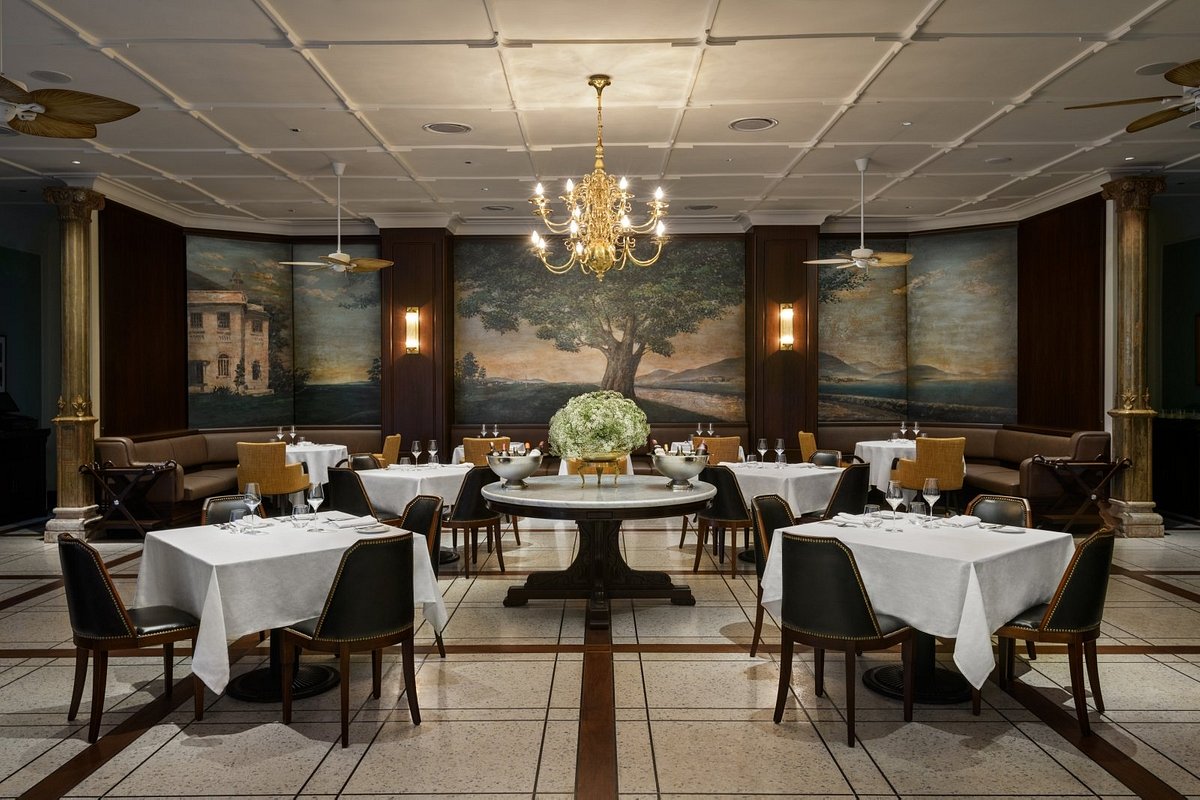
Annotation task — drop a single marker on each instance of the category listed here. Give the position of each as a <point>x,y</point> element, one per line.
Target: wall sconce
<point>412,330</point>
<point>787,337</point>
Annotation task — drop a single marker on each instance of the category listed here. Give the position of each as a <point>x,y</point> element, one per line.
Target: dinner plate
<point>1000,528</point>
<point>378,527</point>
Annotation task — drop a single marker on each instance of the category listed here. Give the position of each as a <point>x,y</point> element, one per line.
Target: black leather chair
<point>727,511</point>
<point>344,492</point>
<point>216,509</point>
<point>826,458</point>
<point>1072,617</point>
<point>470,513</point>
<point>771,512</point>
<point>826,607</point>
<point>423,515</point>
<point>100,622</point>
<point>1002,510</point>
<point>364,461</point>
<point>849,495</point>
<point>369,607</point>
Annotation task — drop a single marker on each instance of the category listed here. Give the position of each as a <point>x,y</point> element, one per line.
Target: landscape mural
<point>277,345</point>
<point>670,336</point>
<point>935,340</point>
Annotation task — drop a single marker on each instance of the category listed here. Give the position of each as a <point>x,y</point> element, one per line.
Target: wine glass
<point>483,430</point>
<point>699,429</point>
<point>316,496</point>
<point>416,451</point>
<point>916,429</point>
<point>292,433</point>
<point>779,457</point>
<point>495,429</point>
<point>762,451</point>
<point>903,428</point>
<point>433,448</point>
<point>279,433</point>
<point>931,492</point>
<point>894,497</point>
<point>252,498</point>
<point>710,429</point>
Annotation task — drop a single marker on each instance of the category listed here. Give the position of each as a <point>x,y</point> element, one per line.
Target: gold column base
<point>76,445</point>
<point>1134,519</point>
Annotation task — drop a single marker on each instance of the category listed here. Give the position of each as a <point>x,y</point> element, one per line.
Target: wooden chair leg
<point>1075,658</point>
<point>976,702</point>
<point>197,689</point>
<point>701,537</point>
<point>851,675</point>
<point>499,552</point>
<point>719,543</point>
<point>344,684</point>
<point>785,673</point>
<point>286,687</point>
<point>168,667</point>
<point>441,646</point>
<point>1030,650</point>
<point>99,678</point>
<point>516,532</point>
<point>910,677</point>
<point>819,671</point>
<point>682,532</point>
<point>81,663</point>
<point>758,621</point>
<point>1093,670</point>
<point>1007,660</point>
<point>376,672</point>
<point>733,532</point>
<point>410,679</point>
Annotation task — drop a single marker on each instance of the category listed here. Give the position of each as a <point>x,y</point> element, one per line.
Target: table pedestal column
<point>265,684</point>
<point>597,574</point>
<point>934,685</point>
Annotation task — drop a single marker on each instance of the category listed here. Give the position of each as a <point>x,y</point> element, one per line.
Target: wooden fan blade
<point>57,128</point>
<point>1134,101</point>
<point>303,263</point>
<point>848,265</point>
<point>890,259</point>
<point>1185,74</point>
<point>13,93</point>
<point>368,264</point>
<point>830,261</point>
<point>1150,120</point>
<point>71,106</point>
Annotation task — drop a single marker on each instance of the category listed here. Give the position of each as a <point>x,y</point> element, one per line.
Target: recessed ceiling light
<point>76,161</point>
<point>752,124</point>
<point>700,207</point>
<point>1129,158</point>
<point>497,208</point>
<point>50,76</point>
<point>447,127</point>
<point>485,189</point>
<point>906,123</point>
<point>997,160</point>
<point>294,130</point>
<point>1157,68</point>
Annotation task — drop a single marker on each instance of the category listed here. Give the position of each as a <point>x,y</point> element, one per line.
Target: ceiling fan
<point>1185,75</point>
<point>337,260</point>
<point>863,256</point>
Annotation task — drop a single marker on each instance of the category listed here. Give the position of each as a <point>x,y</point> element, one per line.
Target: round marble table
<point>599,571</point>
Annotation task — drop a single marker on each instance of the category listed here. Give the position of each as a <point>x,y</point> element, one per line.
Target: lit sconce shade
<point>787,338</point>
<point>412,330</point>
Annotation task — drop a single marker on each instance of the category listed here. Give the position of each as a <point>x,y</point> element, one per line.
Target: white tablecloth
<point>880,454</point>
<point>806,487</point>
<point>391,489</point>
<point>318,457</point>
<point>238,584</point>
<point>952,582</point>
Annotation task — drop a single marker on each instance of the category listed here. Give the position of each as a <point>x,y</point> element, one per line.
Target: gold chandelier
<point>599,233</point>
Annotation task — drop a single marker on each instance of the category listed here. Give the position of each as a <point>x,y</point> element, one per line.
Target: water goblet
<point>433,450</point>
<point>780,460</point>
<point>416,451</point>
<point>871,516</point>
<point>236,515</point>
<point>405,461</point>
<point>894,497</point>
<point>931,492</point>
<point>316,496</point>
<point>918,510</point>
<point>751,460</point>
<point>301,516</point>
<point>762,450</point>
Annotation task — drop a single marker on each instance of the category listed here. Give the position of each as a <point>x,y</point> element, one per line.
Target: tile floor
<point>692,709</point>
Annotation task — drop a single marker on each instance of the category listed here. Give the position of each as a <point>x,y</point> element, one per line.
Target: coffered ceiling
<point>958,104</point>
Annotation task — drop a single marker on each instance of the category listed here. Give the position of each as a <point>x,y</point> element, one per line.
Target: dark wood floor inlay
<point>1149,580</point>
<point>55,582</point>
<point>596,753</point>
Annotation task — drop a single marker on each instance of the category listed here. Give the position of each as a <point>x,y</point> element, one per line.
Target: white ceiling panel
<point>1031,16</point>
<point>684,190</point>
<point>1020,158</point>
<point>316,163</point>
<point>58,162</point>
<point>396,75</point>
<point>628,124</point>
<point>297,210</point>
<point>842,186</point>
<point>467,163</point>
<point>373,20</point>
<point>525,20</point>
<point>149,128</point>
<point>886,158</point>
<point>165,190</point>
<point>575,162</point>
<point>402,126</point>
<point>488,191</point>
<point>272,127</point>
<point>776,17</point>
<point>131,20</point>
<point>798,122</point>
<point>827,205</point>
<point>725,160</point>
<point>907,207</point>
<point>1130,154</point>
<point>926,121</point>
<point>1048,122</point>
<point>785,70</point>
<point>556,75</point>
<point>1110,74</point>
<point>240,189</point>
<point>356,189</point>
<point>185,163</point>
<point>367,207</point>
<point>1181,17</point>
<point>1036,185</point>
<point>924,186</point>
<point>91,70</point>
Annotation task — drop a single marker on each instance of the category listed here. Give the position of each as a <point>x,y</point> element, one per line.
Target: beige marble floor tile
<point>628,687</point>
<point>535,620</point>
<point>451,758</point>
<point>1141,686</point>
<point>1164,621</point>
<point>635,763</point>
<point>1177,741</point>
<point>47,690</point>
<point>666,621</point>
<point>42,628</point>
<point>1087,771</point>
<point>568,681</point>
<point>710,684</point>
<point>114,770</point>
<point>556,767</point>
<point>785,756</point>
<point>481,684</point>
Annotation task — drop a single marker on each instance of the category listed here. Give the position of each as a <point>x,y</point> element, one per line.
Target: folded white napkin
<point>853,519</point>
<point>253,521</point>
<point>353,522</point>
<point>960,521</point>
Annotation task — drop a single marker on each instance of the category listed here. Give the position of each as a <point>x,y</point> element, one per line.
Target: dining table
<point>238,579</point>
<point>317,458</point>
<point>806,487</point>
<point>880,454</point>
<point>390,489</point>
<point>959,583</point>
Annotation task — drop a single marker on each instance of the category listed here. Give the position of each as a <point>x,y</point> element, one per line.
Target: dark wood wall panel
<point>143,341</point>
<point>783,384</point>
<point>1060,317</point>
<point>416,386</point>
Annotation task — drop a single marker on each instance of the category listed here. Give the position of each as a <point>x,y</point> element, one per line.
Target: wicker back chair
<point>720,448</point>
<point>391,451</point>
<point>265,463</point>
<point>936,458</point>
<point>475,450</point>
<point>808,445</point>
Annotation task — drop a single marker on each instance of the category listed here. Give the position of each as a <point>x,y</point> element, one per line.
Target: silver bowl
<point>513,470</point>
<point>680,469</point>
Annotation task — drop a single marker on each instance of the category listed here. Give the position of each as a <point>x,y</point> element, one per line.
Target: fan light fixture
<point>599,234</point>
<point>1186,76</point>
<point>863,256</point>
<point>337,260</point>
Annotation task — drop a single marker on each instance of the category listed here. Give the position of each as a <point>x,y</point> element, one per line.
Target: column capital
<point>74,203</point>
<point>1133,193</point>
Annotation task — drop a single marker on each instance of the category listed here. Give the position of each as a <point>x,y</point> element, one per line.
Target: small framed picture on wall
<point>4,360</point>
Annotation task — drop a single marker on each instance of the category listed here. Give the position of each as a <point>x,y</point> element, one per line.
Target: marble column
<point>1132,505</point>
<point>75,425</point>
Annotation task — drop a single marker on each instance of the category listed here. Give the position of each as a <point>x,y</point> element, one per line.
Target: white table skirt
<point>238,584</point>
<point>880,455</point>
<point>807,488</point>
<point>318,457</point>
<point>391,489</point>
<point>951,582</point>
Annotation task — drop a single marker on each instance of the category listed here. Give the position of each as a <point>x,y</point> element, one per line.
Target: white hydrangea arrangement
<point>598,422</point>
